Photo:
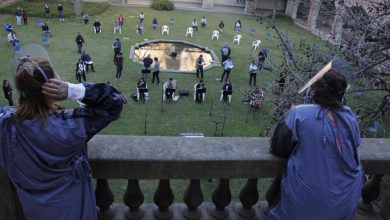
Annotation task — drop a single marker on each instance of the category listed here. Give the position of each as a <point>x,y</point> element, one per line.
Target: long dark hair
<point>329,90</point>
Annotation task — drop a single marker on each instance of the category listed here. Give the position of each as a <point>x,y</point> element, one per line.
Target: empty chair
<point>256,44</point>
<point>45,41</point>
<point>237,39</point>
<point>190,31</point>
<point>165,29</point>
<point>40,23</point>
<point>268,35</point>
<point>215,34</point>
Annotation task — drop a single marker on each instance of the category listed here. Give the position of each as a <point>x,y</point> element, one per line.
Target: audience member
<point>80,70</point>
<point>200,90</point>
<point>79,42</point>
<point>7,89</point>
<point>117,27</point>
<point>119,65</point>
<point>141,17</point>
<point>121,20</point>
<point>238,25</point>
<point>225,51</point>
<point>156,70</point>
<point>47,11</point>
<point>97,26</point>
<point>24,16</point>
<point>154,23</point>
<point>86,18</point>
<point>221,26</point>
<point>18,15</point>
<point>49,169</point>
<point>199,66</point>
<point>203,22</point>
<point>11,36</point>
<point>227,67</point>
<point>60,10</point>
<point>320,141</point>
<point>46,30</point>
<point>252,73</point>
<point>140,28</point>
<point>194,24</point>
<point>86,58</point>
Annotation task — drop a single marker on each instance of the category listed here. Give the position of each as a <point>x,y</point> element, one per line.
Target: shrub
<point>162,5</point>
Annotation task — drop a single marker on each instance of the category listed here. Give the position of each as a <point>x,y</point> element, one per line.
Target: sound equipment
<point>184,92</point>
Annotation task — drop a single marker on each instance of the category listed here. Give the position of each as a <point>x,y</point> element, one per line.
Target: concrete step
<point>185,4</point>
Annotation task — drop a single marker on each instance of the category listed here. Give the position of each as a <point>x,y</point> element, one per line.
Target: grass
<point>184,116</point>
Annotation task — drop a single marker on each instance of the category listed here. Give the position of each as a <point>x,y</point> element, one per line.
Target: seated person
<point>142,89</point>
<point>200,91</point>
<point>97,27</point>
<point>117,27</point>
<point>227,90</point>
<point>11,36</point>
<point>45,30</point>
<point>194,25</point>
<point>140,28</point>
<point>86,58</point>
<point>7,26</point>
<point>146,69</point>
<point>169,89</point>
<point>85,18</point>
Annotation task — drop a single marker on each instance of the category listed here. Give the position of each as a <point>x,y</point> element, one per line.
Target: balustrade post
<point>163,197</point>
<point>104,199</point>
<point>221,197</point>
<point>249,195</point>
<point>133,198</point>
<point>193,197</point>
<point>370,192</point>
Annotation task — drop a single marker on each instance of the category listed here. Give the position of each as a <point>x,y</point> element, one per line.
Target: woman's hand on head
<point>55,89</point>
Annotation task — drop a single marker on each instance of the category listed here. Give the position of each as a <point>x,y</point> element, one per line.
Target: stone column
<point>250,7</point>
<point>208,4</point>
<point>313,14</point>
<point>337,26</point>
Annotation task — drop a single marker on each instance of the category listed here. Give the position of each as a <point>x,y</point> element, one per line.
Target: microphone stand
<point>145,103</point>
<point>212,100</point>
<point>162,96</point>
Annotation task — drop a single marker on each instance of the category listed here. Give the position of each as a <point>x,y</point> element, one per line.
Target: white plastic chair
<point>215,34</point>
<point>237,39</point>
<point>190,31</point>
<point>203,94</point>
<point>165,29</point>
<point>229,97</point>
<point>256,44</point>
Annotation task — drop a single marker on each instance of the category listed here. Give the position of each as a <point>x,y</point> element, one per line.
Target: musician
<point>200,90</point>
<point>227,91</point>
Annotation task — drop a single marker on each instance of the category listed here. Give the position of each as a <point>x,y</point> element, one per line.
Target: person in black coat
<point>8,92</point>
<point>79,42</point>
<point>86,58</point>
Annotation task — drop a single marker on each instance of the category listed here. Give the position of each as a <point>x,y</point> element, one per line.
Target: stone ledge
<point>151,157</point>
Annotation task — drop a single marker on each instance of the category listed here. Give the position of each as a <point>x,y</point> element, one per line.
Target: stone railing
<point>166,158</point>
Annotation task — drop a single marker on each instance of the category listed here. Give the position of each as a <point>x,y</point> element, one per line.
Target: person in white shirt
<point>227,67</point>
<point>203,22</point>
<point>195,25</point>
<point>252,73</point>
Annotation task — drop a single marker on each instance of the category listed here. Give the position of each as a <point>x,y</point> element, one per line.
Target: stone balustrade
<point>166,158</point>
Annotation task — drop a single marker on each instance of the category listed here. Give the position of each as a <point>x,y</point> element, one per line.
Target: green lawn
<point>185,115</point>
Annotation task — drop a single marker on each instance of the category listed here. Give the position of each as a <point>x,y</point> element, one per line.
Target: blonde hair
<point>32,102</point>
